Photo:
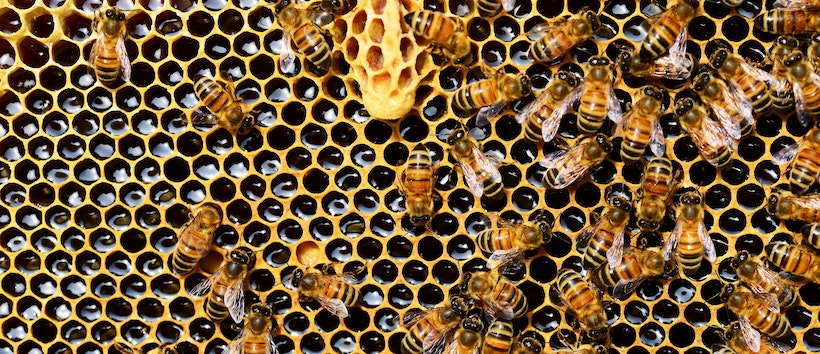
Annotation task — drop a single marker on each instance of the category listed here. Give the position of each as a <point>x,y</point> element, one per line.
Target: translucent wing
<point>672,242</point>
<point>550,125</point>
<point>708,247</point>
<point>713,135</point>
<point>487,113</point>
<point>200,116</point>
<point>205,285</point>
<point>271,346</point>
<point>531,107</point>
<point>657,142</point>
<point>810,201</point>
<point>625,287</point>
<point>795,4</point>
<point>125,63</point>
<point>767,276</point>
<point>727,121</point>
<point>471,179</point>
<point>346,277</point>
<point>757,73</point>
<point>502,257</point>
<point>434,344</point>
<point>411,318</point>
<point>787,154</point>
<point>508,5</point>
<point>736,97</point>
<point>674,65</point>
<point>751,335</point>
<point>235,299</point>
<point>548,26</point>
<point>554,159</point>
<point>502,309</point>
<point>125,349</point>
<point>334,306</point>
<point>95,49</point>
<point>590,230</point>
<point>571,165</point>
<point>287,57</point>
<point>613,106</point>
<point>235,347</point>
<point>615,253</point>
<point>770,301</point>
<point>800,105</point>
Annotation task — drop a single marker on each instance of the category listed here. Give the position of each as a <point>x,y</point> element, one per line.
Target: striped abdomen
<point>767,322</point>
<point>630,268</point>
<point>593,110</point>
<point>496,240</point>
<point>637,132</point>
<point>690,248</point>
<point>435,27</point>
<point>499,337</point>
<point>660,37</point>
<point>419,173</point>
<point>343,291</point>
<point>506,293</point>
<point>805,169</point>
<point>212,95</point>
<point>788,21</point>
<point>215,307</point>
<point>488,8</point>
<point>107,61</point>
<point>551,46</point>
<point>599,244</point>
<point>413,342</point>
<point>476,95</point>
<point>313,45</point>
<point>791,258</point>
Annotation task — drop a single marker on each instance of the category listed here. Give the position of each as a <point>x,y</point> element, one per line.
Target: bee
<point>744,78</point>
<point>605,239</point>
<point>731,109</point>
<point>713,142</point>
<point>499,337</point>
<point>598,100</point>
<point>780,88</point>
<point>226,286</point>
<point>416,185</point>
<point>667,29</point>
<point>334,292</point>
<point>637,265</point>
<point>567,166</point>
<point>798,260</point>
<point>658,185</point>
<point>581,299</point>
<point>299,25</point>
<point>790,17</point>
<point>542,116</point>
<point>756,313</point>
<point>257,335</point>
<point>791,207</point>
<point>480,174</point>
<point>762,280</point>
<point>676,65</point>
<point>561,35</point>
<point>225,108</point>
<point>511,239</point>
<point>805,87</point>
<point>577,348</point>
<point>195,238</point>
<point>163,349</point>
<point>526,345</point>
<point>429,329</point>
<point>492,94</point>
<point>445,33</point>
<point>468,336</point>
<point>642,126</point>
<point>108,57</point>
<point>500,297</point>
<point>690,236</point>
<point>805,161</point>
<point>490,8</point>
<point>736,342</point>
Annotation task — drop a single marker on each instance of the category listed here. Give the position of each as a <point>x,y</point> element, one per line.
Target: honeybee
<point>581,299</point>
<point>257,335</point>
<point>561,35</point>
<point>578,348</point>
<point>731,109</point>
<point>745,78</point>
<point>605,239</point>
<point>500,297</point>
<point>468,336</point>
<point>162,349</point>
<point>445,33</point>
<point>797,260</point>
<point>714,143</point>
<point>567,166</point>
<point>526,345</point>
<point>598,100</point>
<point>805,161</point>
<point>300,26</point>
<point>659,182</point>
<point>676,65</point>
<point>334,292</point>
<point>756,313</point>
<point>542,116</point>
<point>499,337</point>
<point>108,57</point>
<point>195,238</point>
<point>762,280</point>
<point>780,88</point>
<point>511,239</point>
<point>790,17</point>
<point>736,342</point>
<point>791,207</point>
<point>429,329</point>
<point>480,174</point>
<point>490,8</point>
<point>690,237</point>
<point>416,184</point>
<point>642,126</point>
<point>669,27</point>
<point>492,94</point>
<point>637,265</point>
<point>225,108</point>
<point>226,286</point>
<point>805,87</point>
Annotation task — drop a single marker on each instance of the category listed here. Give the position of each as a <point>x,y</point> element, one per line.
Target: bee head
<point>690,198</point>
<point>726,292</point>
<point>793,58</point>
<point>598,61</point>
<point>115,14</point>
<point>567,77</point>
<point>456,135</point>
<point>773,202</point>
<point>473,322</point>
<point>604,142</point>
<point>654,92</point>
<point>740,257</point>
<point>622,203</point>
<point>683,106</point>
<point>525,84</point>
<point>593,20</point>
<point>531,344</point>
<point>247,124</point>
<point>719,57</point>
<point>699,82</point>
<point>243,255</point>
<point>465,283</point>
<point>296,277</point>
<point>647,225</point>
<point>459,305</point>
<point>419,220</point>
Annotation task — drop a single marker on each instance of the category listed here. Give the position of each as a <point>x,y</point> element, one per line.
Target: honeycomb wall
<point>96,181</point>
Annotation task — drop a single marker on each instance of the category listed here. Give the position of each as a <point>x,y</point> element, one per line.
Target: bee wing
<point>757,73</point>
<point>766,276</point>
<point>434,344</point>
<point>615,253</point>
<point>205,285</point>
<point>125,63</point>
<point>625,287</point>
<point>751,335</point>
<point>657,142</point>
<point>550,125</point>
<point>287,57</point>
<point>794,4</point>
<point>672,242</point>
<point>508,5</point>
<point>800,105</point>
<point>737,98</point>
<point>334,306</point>
<point>613,106</point>
<point>674,64</point>
<point>411,318</point>
<point>502,309</point>
<point>708,246</point>
<point>501,257</point>
<point>235,347</point>
<point>470,177</point>
<point>235,299</point>
<point>811,201</point>
<point>548,26</point>
<point>126,349</point>
<point>572,165</point>
<point>554,158</point>
<point>200,116</point>
<point>787,154</point>
<point>770,301</point>
<point>95,48</point>
<point>271,346</point>
<point>712,134</point>
<point>779,348</point>
<point>531,107</point>
<point>590,230</point>
<point>730,126</point>
<point>488,113</point>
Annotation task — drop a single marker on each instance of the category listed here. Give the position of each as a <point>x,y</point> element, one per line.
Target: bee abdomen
<point>498,339</point>
<point>488,8</point>
<point>313,45</point>
<point>182,264</point>
<point>215,308</point>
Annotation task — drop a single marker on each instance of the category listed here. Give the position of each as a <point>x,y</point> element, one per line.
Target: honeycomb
<point>96,181</point>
